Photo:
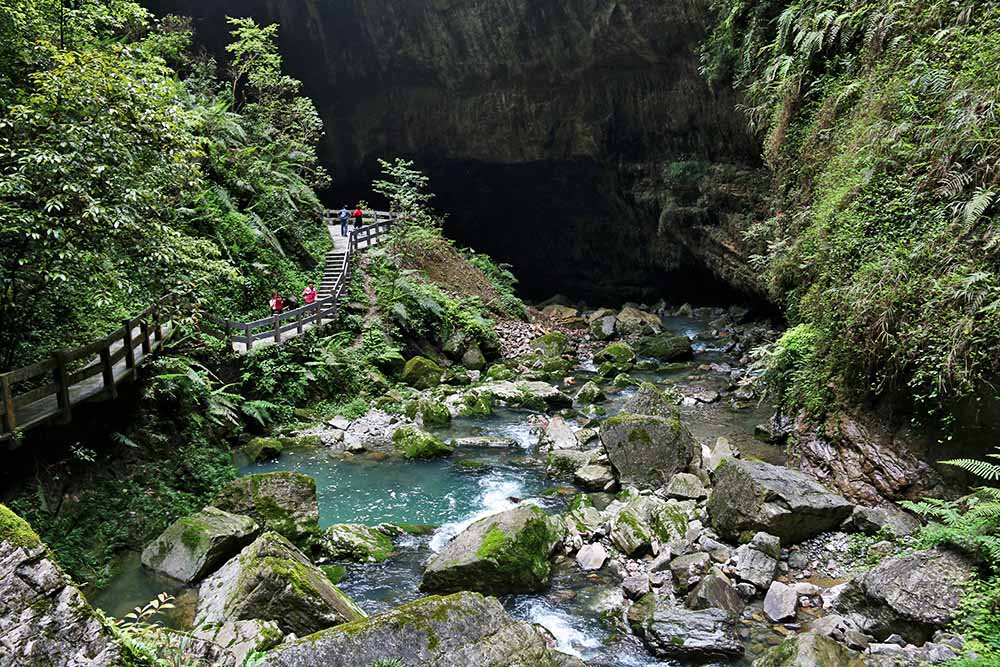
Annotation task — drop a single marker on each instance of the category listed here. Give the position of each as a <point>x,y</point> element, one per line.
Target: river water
<point>449,495</point>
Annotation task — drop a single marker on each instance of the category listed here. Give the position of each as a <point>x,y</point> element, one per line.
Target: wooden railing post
<point>60,376</point>
<point>157,326</point>
<point>9,418</point>
<point>129,344</point>
<point>144,332</point>
<point>298,323</point>
<point>277,329</point>
<point>108,372</point>
<point>227,329</point>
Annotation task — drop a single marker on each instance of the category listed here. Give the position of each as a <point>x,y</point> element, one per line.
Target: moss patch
<point>413,443</point>
<point>16,531</point>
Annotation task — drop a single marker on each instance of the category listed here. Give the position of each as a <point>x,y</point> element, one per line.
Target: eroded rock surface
<point>194,546</point>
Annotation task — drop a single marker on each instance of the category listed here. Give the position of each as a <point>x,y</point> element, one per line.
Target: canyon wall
<point>572,138</point>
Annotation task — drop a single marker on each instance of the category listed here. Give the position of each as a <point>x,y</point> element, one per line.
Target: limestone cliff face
<point>537,119</point>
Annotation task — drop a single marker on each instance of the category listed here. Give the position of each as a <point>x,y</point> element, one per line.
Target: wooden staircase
<point>336,265</point>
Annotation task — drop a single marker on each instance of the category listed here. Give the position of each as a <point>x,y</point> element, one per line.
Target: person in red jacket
<point>309,294</point>
<point>358,216</point>
<point>277,304</point>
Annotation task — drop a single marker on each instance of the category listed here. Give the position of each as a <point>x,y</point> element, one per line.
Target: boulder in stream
<point>651,400</point>
<point>507,552</point>
<point>595,477</point>
<point>590,393</point>
<point>355,542</point>
<point>670,630</point>
<point>552,344</point>
<point>619,355</point>
<point>666,347</point>
<point>751,496</point>
<point>558,435</point>
<point>647,450</point>
<point>284,502</point>
<point>635,322</point>
<point>194,546</point>
<point>271,580</point>
<point>532,395</point>
<point>455,631</point>
<point>810,649</point>
<point>645,519</point>
<point>414,443</point>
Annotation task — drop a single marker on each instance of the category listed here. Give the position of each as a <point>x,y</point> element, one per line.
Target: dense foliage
<point>128,170</point>
<point>880,125</point>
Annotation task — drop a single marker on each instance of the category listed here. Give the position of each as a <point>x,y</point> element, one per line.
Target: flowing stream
<point>449,495</point>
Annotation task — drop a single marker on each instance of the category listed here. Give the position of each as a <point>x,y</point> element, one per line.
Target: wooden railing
<point>276,327</point>
<point>49,389</point>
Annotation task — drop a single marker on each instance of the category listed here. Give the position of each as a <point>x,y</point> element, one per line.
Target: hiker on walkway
<point>358,215</point>
<point>344,218</point>
<point>309,294</point>
<point>277,304</point>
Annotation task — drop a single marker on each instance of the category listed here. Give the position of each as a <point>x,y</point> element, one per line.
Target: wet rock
<point>688,569</point>
<point>594,477</point>
<point>781,602</point>
<point>647,450</point>
<point>558,435</point>
<point>422,373</point>
<point>650,400</point>
<point>239,639</point>
<point>284,502</point>
<point>455,631</point>
<point>583,517</point>
<point>721,452</point>
<point>635,322</point>
<point>685,486</point>
<point>428,412</point>
<point>194,546</point>
<point>672,631</point>
<point>271,580</point>
<point>262,449</point>
<point>809,650</point>
<point>414,443</point>
<point>527,394</point>
<point>635,587</point>
<point>504,553</point>
<point>644,519</point>
<point>751,496</point>
<point>603,328</point>
<point>716,590</point>
<point>356,543</point>
<point>666,347</point>
<point>592,557</point>
<point>619,355</point>
<point>489,441</point>
<point>568,461</point>
<point>912,595</point>
<point>44,619</point>
<point>473,358</point>
<point>887,516</point>
<point>590,393</point>
<point>554,344</point>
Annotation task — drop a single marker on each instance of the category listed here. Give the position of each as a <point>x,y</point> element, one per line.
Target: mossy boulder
<point>507,552</point>
<point>670,630</point>
<point>531,395</point>
<point>422,373</point>
<point>632,321</point>
<point>751,496</point>
<point>644,519</point>
<point>414,443</point>
<point>619,354</point>
<point>460,630</point>
<point>271,580</point>
<point>650,400</point>
<point>284,502</point>
<point>666,347</point>
<point>554,344</point>
<point>194,546</point>
<point>473,357</point>
<point>582,516</point>
<point>603,328</point>
<point>809,649</point>
<point>647,450</point>
<point>591,393</point>
<point>262,449</point>
<point>500,372</point>
<point>432,413</point>
<point>355,542</point>
<point>475,403</point>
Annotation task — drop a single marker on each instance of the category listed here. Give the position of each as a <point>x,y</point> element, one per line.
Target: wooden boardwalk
<point>48,390</point>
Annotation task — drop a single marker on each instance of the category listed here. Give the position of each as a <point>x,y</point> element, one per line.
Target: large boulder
<point>666,347</point>
<point>504,553</point>
<point>44,619</point>
<point>422,373</point>
<point>558,434</point>
<point>532,395</point>
<point>620,355</point>
<point>645,519</point>
<point>757,562</point>
<point>241,638</point>
<point>635,322</point>
<point>650,400</point>
<point>912,595</point>
<point>194,546</point>
<point>716,590</point>
<point>553,344</point>
<point>603,328</point>
<point>455,631</point>
<point>414,443</point>
<point>647,450</point>
<point>810,649</point>
<point>595,477</point>
<point>590,393</point>
<point>284,502</point>
<point>271,580</point>
<point>429,412</point>
<point>670,630</point>
<point>355,542</point>
<point>750,496</point>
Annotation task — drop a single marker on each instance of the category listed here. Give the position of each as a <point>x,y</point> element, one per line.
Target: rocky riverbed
<point>614,482</point>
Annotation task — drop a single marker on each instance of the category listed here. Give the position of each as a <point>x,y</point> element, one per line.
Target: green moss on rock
<point>422,373</point>
<point>16,531</point>
<point>263,449</point>
<point>413,443</point>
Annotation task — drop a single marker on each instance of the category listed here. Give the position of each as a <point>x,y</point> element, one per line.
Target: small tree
<point>406,190</point>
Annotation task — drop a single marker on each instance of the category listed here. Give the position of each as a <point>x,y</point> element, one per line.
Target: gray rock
<point>603,328</point>
<point>194,546</point>
<point>455,631</point>
<point>241,638</point>
<point>504,553</point>
<point>643,520</point>
<point>485,441</point>
<point>688,569</point>
<point>647,450</point>
<point>716,590</point>
<point>558,435</point>
<point>766,544</point>
<point>271,580</point>
<point>592,557</point>
<point>594,477</point>
<point>567,462</point>
<point>685,486</point>
<point>888,516</point>
<point>721,452</point>
<point>750,496</point>
<point>781,602</point>
<point>912,595</point>
<point>650,400</point>
<point>590,393</point>
<point>809,649</point>
<point>44,619</point>
<point>583,517</point>
<point>755,567</point>
<point>355,542</point>
<point>284,502</point>
<point>666,347</point>
<point>635,587</point>
<point>672,631</point>
<point>527,394</point>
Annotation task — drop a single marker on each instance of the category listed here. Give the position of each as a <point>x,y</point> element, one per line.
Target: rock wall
<point>544,126</point>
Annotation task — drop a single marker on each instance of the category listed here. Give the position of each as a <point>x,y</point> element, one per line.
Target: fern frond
<point>982,469</point>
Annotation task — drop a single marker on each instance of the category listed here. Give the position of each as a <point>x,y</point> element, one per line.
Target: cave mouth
<point>569,227</point>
